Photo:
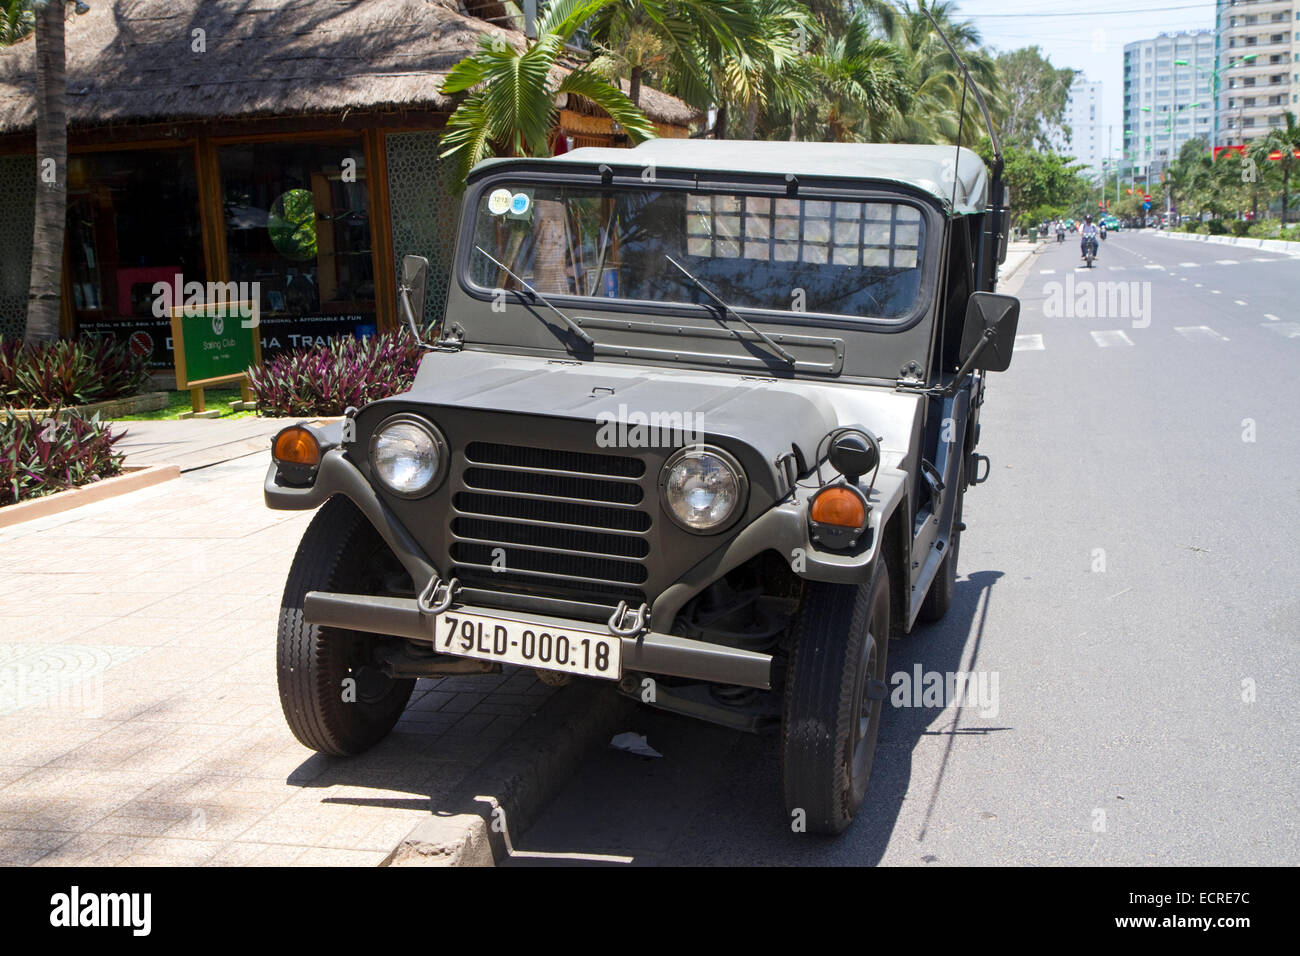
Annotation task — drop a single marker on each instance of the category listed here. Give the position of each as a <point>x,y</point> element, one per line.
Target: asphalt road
<point>1128,576</point>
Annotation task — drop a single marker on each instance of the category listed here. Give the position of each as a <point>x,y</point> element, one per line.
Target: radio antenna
<point>974,87</point>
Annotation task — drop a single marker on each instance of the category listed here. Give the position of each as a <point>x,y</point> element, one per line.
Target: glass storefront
<point>297,226</point>
<point>297,239</point>
<point>133,220</point>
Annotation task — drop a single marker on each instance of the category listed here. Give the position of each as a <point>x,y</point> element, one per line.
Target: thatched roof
<point>133,60</point>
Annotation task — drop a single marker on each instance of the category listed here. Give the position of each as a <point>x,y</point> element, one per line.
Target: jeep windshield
<point>841,258</point>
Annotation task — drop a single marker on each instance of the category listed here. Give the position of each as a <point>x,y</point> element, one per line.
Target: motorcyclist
<point>1088,234</point>
<point>1060,231</point>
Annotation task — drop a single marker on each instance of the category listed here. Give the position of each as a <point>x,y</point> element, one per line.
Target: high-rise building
<point>1168,96</point>
<point>1086,140</point>
<point>1258,67</point>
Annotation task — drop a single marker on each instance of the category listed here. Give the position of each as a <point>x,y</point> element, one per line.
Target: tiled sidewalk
<point>139,718</point>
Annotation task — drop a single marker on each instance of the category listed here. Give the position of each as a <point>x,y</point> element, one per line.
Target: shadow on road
<point>714,796</point>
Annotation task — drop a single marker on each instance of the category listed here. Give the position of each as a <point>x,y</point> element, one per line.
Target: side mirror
<point>410,293</point>
<point>989,334</point>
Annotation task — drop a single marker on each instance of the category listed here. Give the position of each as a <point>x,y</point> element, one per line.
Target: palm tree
<point>43,296</point>
<point>768,71</point>
<point>860,80</point>
<point>511,107</point>
<point>16,20</point>
<point>1281,147</point>
<point>677,38</point>
<point>930,111</point>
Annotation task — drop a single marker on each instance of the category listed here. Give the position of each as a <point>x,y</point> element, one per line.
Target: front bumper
<point>651,652</point>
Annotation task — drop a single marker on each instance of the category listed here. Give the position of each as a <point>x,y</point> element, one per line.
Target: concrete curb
<point>508,790</point>
<point>133,480</point>
<point>1284,246</point>
<point>113,408</point>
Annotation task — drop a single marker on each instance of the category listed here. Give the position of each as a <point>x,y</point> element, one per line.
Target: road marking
<point>1155,267</point>
<point>1107,339</point>
<point>1118,268</point>
<point>1047,272</point>
<point>1029,343</point>
<point>1198,285</point>
<point>1189,265</point>
<point>1270,316</point>
<point>1199,333</point>
<point>1290,330</point>
<point>1265,259</point>
<point>1215,292</point>
<point>1225,262</point>
<point>1239,301</point>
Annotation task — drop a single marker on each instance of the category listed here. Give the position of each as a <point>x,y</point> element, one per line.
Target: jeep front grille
<point>557,523</point>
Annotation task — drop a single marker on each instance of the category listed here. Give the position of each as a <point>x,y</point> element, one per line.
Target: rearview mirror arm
<point>404,294</point>
<point>968,365</point>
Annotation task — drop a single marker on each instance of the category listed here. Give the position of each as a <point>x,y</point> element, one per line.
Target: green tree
<point>17,20</point>
<point>510,107</point>
<point>1284,143</point>
<point>859,79</point>
<point>1033,97</point>
<point>1043,185</point>
<point>681,38</point>
<point>932,81</point>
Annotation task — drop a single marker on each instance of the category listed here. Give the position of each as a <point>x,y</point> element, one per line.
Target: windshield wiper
<point>726,308</point>
<point>574,327</point>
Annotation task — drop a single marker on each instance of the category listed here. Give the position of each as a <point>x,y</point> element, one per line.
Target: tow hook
<point>437,595</point>
<point>625,622</point>
<point>973,469</point>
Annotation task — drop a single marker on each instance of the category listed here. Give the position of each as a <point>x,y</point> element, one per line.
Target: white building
<point>1258,76</point>
<point>1086,140</point>
<point>1168,96</point>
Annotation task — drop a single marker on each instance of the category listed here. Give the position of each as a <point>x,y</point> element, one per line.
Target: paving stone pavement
<point>139,718</point>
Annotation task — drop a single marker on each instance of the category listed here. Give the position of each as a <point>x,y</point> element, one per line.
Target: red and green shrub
<point>326,379</point>
<point>68,372</point>
<point>39,456</point>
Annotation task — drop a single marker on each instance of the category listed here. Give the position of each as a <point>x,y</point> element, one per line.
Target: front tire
<point>834,697</point>
<point>336,698</point>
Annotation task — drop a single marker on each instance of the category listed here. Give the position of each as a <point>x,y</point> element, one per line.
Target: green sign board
<point>213,345</point>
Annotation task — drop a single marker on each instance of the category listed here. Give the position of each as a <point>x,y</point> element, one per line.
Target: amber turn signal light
<point>295,445</point>
<point>839,507</point>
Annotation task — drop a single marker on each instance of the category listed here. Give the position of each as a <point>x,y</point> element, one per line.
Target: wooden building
<point>291,143</point>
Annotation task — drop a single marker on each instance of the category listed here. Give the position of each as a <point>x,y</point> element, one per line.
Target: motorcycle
<point>1060,235</point>
<point>1089,249</point>
<point>1102,232</point>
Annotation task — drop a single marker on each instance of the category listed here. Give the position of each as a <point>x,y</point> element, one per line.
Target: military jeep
<point>698,422</point>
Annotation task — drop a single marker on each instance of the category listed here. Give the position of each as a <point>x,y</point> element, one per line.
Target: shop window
<point>297,221</point>
<point>133,220</point>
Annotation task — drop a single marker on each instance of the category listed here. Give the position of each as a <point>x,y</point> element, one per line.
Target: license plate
<point>489,638</point>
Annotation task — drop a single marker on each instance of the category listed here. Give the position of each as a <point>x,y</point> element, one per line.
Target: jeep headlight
<point>703,489</point>
<point>408,455</point>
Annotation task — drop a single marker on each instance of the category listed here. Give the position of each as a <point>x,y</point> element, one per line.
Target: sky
<point>1091,40</point>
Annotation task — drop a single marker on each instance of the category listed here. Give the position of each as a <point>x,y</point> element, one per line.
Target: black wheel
<point>336,698</point>
<point>939,598</point>
<point>834,696</point>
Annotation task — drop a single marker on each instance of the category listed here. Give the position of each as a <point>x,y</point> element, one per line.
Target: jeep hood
<point>770,415</point>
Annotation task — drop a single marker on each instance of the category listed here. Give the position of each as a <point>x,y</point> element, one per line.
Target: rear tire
<point>834,697</point>
<point>340,551</point>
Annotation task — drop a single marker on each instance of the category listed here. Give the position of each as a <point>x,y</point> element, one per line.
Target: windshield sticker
<point>499,202</point>
<point>520,203</point>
